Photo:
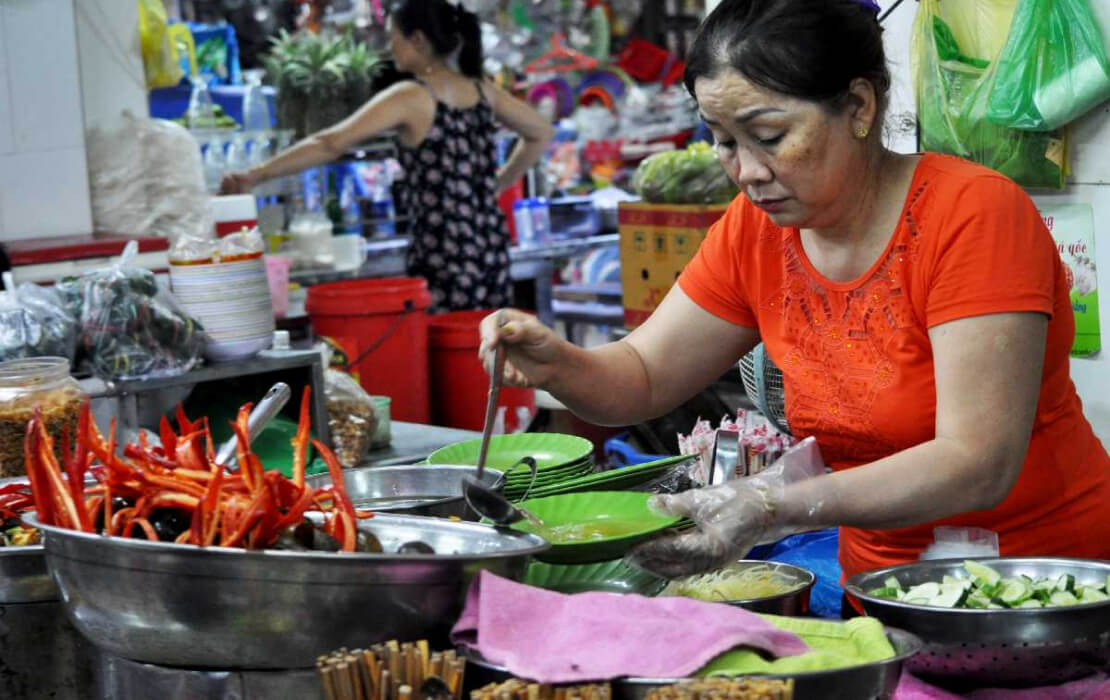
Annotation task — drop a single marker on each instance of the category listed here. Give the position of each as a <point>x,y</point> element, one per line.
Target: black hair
<point>809,49</point>
<point>448,27</point>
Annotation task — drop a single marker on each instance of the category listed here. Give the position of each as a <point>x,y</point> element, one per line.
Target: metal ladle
<point>482,499</point>
<point>270,405</point>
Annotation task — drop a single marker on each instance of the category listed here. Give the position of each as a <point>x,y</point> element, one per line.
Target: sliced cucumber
<point>1014,592</point>
<point>928,591</point>
<point>982,572</point>
<point>1065,582</point>
<point>892,582</point>
<point>1031,603</point>
<point>1090,594</point>
<point>978,601</point>
<point>886,592</point>
<point>951,595</point>
<point>1063,598</point>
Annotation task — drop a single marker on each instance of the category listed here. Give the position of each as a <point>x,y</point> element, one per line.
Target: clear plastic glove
<point>731,518</point>
<point>532,349</point>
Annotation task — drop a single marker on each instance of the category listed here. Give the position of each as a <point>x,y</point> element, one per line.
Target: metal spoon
<point>485,501</point>
<point>274,400</point>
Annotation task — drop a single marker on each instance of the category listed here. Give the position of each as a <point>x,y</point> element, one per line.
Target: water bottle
<point>214,164</point>
<point>541,220</point>
<point>348,202</point>
<point>256,108</point>
<point>522,218</point>
<point>381,207</point>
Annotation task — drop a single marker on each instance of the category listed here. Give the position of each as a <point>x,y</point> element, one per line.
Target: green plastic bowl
<point>609,523</point>
<point>550,450</point>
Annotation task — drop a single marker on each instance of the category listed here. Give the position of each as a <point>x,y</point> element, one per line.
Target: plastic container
<point>382,326</point>
<point>42,383</point>
<point>459,382</point>
<point>619,453</point>
<point>522,223</point>
<point>574,217</point>
<point>277,276</point>
<point>384,434</point>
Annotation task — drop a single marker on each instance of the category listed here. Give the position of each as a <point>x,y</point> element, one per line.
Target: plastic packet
<point>130,327</point>
<point>35,322</point>
<point>352,418</point>
<point>961,543</point>
<point>245,243</point>
<point>146,179</point>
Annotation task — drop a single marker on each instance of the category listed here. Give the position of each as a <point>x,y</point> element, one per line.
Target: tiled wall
<point>43,177</point>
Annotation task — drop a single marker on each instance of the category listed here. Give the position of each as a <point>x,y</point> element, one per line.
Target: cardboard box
<point>656,242</point>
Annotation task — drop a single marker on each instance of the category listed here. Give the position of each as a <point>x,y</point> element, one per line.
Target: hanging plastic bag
<point>953,92</point>
<point>34,322</point>
<point>1053,68</point>
<point>130,327</point>
<point>352,419</point>
<point>160,58</point>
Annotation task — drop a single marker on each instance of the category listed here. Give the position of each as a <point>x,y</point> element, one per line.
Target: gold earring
<point>862,132</point>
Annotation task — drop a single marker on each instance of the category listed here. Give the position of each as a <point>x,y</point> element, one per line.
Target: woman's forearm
<point>524,155</point>
<point>311,152</point>
<point>931,481</point>
<point>607,385</point>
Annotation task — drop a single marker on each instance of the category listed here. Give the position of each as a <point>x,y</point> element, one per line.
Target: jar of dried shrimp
<point>42,383</point>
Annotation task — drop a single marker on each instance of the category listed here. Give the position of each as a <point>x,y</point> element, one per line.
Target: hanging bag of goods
<point>955,70</point>
<point>1053,68</point>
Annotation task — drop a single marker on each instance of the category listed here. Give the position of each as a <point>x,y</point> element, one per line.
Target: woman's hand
<point>238,183</point>
<point>533,351</point>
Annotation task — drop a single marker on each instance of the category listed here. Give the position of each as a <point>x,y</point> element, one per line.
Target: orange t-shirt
<point>857,363</point>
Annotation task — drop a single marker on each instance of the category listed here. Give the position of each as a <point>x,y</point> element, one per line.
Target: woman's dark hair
<point>448,28</point>
<point>810,49</point>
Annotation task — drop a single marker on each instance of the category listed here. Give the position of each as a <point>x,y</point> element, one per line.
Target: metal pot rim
<point>536,545</point>
<point>324,477</point>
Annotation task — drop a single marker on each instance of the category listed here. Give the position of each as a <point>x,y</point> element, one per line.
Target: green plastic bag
<point>1053,68</point>
<point>953,93</point>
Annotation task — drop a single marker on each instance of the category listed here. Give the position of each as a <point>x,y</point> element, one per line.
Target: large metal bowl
<point>187,606</point>
<point>420,489</point>
<point>998,647</point>
<point>875,681</point>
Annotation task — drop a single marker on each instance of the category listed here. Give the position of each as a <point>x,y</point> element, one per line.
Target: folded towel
<point>555,638</point>
<point>861,640</point>
<point>1096,687</point>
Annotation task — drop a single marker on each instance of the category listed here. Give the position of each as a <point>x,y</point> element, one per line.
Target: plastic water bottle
<point>522,218</point>
<point>256,108</point>
<point>214,164</point>
<point>541,220</point>
<point>381,207</point>
<point>348,203</point>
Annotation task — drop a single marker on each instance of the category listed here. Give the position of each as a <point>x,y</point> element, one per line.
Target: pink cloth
<point>1096,687</point>
<point>555,638</point>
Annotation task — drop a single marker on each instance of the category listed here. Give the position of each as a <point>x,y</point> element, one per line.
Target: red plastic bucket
<point>382,326</point>
<point>459,383</point>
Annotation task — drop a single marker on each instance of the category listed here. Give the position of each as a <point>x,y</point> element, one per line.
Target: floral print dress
<point>460,243</point>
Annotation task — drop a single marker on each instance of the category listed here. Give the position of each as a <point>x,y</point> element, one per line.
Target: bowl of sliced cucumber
<point>1014,621</point>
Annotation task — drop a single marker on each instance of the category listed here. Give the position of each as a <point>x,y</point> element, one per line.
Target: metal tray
<point>420,489</point>
<point>876,681</point>
<point>997,647</point>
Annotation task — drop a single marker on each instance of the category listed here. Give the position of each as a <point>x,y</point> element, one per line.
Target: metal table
<point>413,442</point>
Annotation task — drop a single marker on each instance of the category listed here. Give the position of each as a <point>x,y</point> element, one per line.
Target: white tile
<point>7,143</point>
<point>40,43</point>
<point>110,61</point>
<point>44,194</point>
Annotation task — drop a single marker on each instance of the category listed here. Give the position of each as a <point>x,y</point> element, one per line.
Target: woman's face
<point>793,158</point>
<point>406,51</point>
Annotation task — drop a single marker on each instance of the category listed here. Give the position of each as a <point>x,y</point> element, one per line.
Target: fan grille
<point>763,385</point>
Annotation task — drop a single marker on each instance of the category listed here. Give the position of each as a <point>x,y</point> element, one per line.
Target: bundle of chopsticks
<point>390,671</point>
<point>516,689</point>
<point>726,689</point>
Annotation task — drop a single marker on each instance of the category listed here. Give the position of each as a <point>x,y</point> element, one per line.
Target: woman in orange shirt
<point>915,304</point>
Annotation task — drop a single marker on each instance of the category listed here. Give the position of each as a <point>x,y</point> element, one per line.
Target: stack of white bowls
<point>232,301</point>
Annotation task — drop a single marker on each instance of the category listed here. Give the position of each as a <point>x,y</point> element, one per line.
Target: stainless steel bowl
<point>875,681</point>
<point>792,603</point>
<point>186,606</point>
<point>419,489</point>
<point>998,647</point>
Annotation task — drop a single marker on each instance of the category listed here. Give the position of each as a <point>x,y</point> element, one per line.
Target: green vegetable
<point>984,588</point>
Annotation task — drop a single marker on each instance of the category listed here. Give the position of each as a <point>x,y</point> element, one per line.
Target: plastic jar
<point>42,383</point>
